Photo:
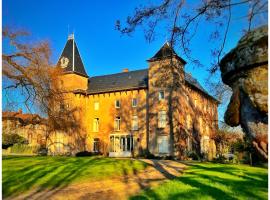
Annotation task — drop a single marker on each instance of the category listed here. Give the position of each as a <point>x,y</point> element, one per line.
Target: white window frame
<point>132,102</point>
<point>96,143</point>
<point>135,123</point>
<point>117,123</point>
<point>116,106</point>
<point>96,124</point>
<point>96,105</point>
<point>160,98</point>
<point>162,119</point>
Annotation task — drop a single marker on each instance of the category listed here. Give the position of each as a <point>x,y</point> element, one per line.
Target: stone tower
<point>166,78</point>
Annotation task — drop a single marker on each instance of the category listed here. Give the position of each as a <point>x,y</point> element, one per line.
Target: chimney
<point>20,111</point>
<point>125,70</point>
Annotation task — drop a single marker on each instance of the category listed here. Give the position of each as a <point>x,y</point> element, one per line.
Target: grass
<point>213,181</point>
<point>20,174</point>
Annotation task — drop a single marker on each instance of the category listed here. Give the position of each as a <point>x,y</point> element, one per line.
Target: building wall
<point>191,117</point>
<point>34,133</point>
<point>190,123</point>
<point>164,76</point>
<point>107,113</point>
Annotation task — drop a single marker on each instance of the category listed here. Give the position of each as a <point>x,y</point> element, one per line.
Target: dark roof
<point>68,53</point>
<point>131,80</point>
<point>120,81</point>
<point>166,51</point>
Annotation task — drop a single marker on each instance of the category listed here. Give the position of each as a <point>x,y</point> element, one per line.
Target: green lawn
<point>20,174</point>
<point>213,181</point>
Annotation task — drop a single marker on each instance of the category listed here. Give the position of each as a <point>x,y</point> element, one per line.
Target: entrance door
<point>163,144</point>
<point>121,145</point>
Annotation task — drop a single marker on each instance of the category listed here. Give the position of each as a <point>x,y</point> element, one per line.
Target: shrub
<point>86,153</point>
<point>9,140</point>
<point>193,155</point>
<point>23,149</point>
<point>220,159</point>
<point>42,151</point>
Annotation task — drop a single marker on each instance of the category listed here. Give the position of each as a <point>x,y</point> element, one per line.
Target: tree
<point>180,21</point>
<point>182,18</point>
<point>9,140</point>
<point>225,140</point>
<point>27,69</point>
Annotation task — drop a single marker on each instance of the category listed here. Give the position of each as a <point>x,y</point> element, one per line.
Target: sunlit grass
<point>20,174</point>
<point>213,181</point>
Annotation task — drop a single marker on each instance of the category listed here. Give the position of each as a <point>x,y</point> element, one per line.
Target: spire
<point>166,51</point>
<point>70,59</point>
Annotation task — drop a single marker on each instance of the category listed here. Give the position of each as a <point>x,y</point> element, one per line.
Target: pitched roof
<point>25,118</point>
<point>131,80</point>
<point>166,51</point>
<point>120,81</point>
<point>69,51</point>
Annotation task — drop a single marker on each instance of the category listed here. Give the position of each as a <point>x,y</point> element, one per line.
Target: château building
<point>160,110</point>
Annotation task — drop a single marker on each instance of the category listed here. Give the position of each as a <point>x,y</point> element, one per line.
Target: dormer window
<point>117,103</point>
<point>161,95</point>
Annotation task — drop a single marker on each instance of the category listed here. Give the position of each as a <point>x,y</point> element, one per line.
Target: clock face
<point>64,62</point>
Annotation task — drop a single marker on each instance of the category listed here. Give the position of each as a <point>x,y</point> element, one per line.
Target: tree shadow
<point>214,182</point>
<point>52,174</point>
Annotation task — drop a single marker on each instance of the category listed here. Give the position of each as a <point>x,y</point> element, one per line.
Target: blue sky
<point>102,48</point>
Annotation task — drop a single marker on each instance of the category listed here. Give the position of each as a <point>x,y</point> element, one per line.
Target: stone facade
<point>29,126</point>
<point>172,116</point>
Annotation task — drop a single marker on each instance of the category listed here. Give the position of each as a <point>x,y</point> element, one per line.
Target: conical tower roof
<point>70,59</point>
<point>166,51</point>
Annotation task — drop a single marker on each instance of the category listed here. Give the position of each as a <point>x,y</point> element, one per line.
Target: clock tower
<point>75,76</point>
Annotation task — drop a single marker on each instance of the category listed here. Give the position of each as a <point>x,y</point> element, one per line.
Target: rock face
<point>245,70</point>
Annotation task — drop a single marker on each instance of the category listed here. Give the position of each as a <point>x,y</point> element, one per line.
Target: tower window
<point>134,102</point>
<point>117,103</point>
<point>161,95</point>
<point>162,119</point>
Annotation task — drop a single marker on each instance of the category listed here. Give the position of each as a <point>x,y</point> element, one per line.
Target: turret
<point>75,76</point>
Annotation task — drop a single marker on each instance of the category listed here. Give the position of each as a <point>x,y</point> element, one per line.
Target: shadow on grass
<point>21,174</point>
<point>213,181</point>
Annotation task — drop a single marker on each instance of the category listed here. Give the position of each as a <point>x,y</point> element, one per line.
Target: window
<point>96,125</point>
<point>134,124</point>
<point>96,105</point>
<point>207,130</point>
<point>163,144</point>
<point>195,103</point>
<point>161,95</point>
<point>204,144</point>
<point>201,124</point>
<point>62,107</point>
<point>96,145</point>
<point>117,122</point>
<point>117,103</point>
<point>189,143</point>
<point>134,102</point>
<point>188,122</point>
<point>162,119</point>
